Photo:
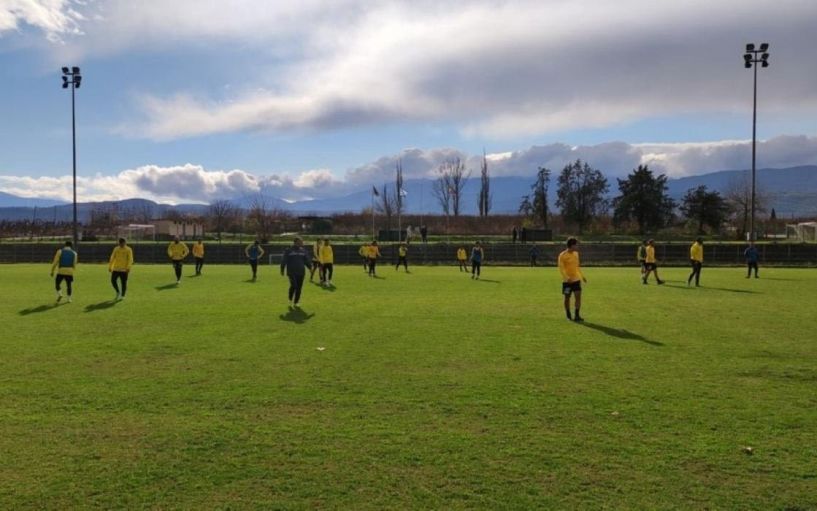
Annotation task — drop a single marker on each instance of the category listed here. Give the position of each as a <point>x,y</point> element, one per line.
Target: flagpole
<point>373,214</point>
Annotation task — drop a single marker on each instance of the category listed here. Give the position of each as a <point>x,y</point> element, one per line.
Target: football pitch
<point>411,391</point>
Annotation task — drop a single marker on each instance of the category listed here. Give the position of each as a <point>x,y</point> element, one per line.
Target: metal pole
<point>372,193</point>
<point>754,142</point>
<point>74,147</point>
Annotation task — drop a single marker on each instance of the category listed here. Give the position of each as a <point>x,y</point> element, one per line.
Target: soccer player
<point>751,256</point>
<point>641,255</point>
<point>254,252</point>
<point>198,254</point>
<point>65,262</point>
<point>316,261</point>
<point>177,251</point>
<point>696,259</point>
<point>119,267</point>
<point>372,253</point>
<point>294,263</point>
<point>572,279</point>
<point>650,264</point>
<point>363,251</point>
<point>327,261</point>
<point>462,259</point>
<point>402,253</point>
<point>477,255</point>
<point>534,253</point>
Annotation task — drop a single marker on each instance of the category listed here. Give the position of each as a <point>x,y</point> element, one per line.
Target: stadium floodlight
<point>755,57</point>
<point>75,81</point>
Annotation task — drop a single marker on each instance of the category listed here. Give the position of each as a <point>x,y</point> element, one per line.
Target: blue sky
<point>316,98</point>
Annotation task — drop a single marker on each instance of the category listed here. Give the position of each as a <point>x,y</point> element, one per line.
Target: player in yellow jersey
<point>572,279</point>
<point>462,259</point>
<point>65,262</point>
<point>696,259</point>
<point>119,267</point>
<point>177,251</point>
<point>372,253</point>
<point>363,251</point>
<point>650,263</point>
<point>327,260</point>
<point>402,254</point>
<point>316,261</point>
<point>198,254</point>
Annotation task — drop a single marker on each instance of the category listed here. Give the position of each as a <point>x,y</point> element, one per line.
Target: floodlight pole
<point>73,78</point>
<point>751,59</point>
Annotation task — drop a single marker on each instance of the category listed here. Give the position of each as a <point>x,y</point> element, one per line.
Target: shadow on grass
<point>378,277</point>
<point>490,281</point>
<point>38,309</point>
<point>194,276</point>
<point>707,288</point>
<point>331,289</point>
<point>250,281</point>
<point>774,278</point>
<point>100,306</point>
<point>296,315</point>
<point>620,333</point>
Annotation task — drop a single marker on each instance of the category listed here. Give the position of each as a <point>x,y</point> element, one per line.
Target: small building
<point>182,229</point>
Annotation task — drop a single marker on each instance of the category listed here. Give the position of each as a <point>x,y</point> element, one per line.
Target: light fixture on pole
<point>73,78</point>
<point>755,56</point>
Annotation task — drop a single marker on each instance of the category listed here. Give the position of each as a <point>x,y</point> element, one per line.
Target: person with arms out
<point>119,267</point>
<point>295,261</point>
<point>751,255</point>
<point>363,251</point>
<point>696,259</point>
<point>402,255</point>
<point>198,254</point>
<point>372,253</point>
<point>641,255</point>
<point>65,262</point>
<point>327,261</point>
<point>254,253</point>
<point>572,279</point>
<point>477,256</point>
<point>177,251</point>
<point>650,263</point>
<point>316,261</point>
<point>462,259</point>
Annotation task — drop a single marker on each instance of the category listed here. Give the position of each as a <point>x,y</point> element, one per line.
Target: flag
<point>403,192</point>
<point>375,192</point>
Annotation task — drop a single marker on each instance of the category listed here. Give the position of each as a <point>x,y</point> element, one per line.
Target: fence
<point>438,253</point>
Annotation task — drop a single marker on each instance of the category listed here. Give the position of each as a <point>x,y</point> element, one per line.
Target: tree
<point>449,185</point>
<point>738,196</point>
<point>526,207</point>
<point>643,200</point>
<point>386,204</point>
<point>220,214</point>
<point>260,217</point>
<point>484,197</point>
<point>705,208</point>
<point>540,195</point>
<point>581,194</point>
<point>398,183</point>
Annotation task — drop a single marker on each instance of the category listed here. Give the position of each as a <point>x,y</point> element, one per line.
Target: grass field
<point>432,391</point>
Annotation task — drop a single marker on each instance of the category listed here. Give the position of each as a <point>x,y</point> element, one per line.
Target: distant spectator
<point>534,253</point>
<point>424,233</point>
<point>523,236</point>
<point>751,256</point>
<point>514,234</point>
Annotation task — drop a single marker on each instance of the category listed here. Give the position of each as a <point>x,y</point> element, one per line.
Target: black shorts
<point>643,264</point>
<point>571,287</point>
<point>650,266</point>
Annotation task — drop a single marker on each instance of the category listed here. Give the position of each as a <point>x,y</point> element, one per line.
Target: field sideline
<point>431,391</point>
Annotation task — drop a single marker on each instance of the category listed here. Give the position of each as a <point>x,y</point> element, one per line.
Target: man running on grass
<point>316,261</point>
<point>119,267</point>
<point>177,251</point>
<point>295,261</point>
<point>363,252</point>
<point>477,255</point>
<point>641,255</point>
<point>462,259</point>
<point>372,253</point>
<point>572,278</point>
<point>327,261</point>
<point>696,259</point>
<point>198,254</point>
<point>402,254</point>
<point>650,264</point>
<point>65,262</point>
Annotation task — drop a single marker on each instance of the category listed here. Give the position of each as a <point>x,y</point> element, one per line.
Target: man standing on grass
<point>462,259</point>
<point>477,255</point>
<point>254,252</point>
<point>641,255</point>
<point>119,267</point>
<point>363,251</point>
<point>402,254</point>
<point>327,261</point>
<point>572,279</point>
<point>534,253</point>
<point>696,259</point>
<point>650,264</point>
<point>65,262</point>
<point>372,253</point>
<point>751,256</point>
<point>198,254</point>
<point>177,251</point>
<point>294,263</point>
<point>316,261</point>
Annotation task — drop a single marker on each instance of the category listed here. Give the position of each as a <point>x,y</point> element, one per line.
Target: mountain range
<point>792,192</point>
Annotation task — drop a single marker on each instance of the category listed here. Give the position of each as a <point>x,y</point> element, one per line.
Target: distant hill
<point>792,192</point>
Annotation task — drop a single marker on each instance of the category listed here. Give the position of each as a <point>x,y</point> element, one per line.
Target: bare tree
<point>398,183</point>
<point>484,197</point>
<point>220,215</point>
<point>449,185</point>
<point>386,204</point>
<point>260,217</point>
<point>738,195</point>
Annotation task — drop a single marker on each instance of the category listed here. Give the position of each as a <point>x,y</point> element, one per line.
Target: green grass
<point>433,391</point>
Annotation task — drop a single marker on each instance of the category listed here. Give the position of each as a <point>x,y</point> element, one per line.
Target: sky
<point>195,100</point>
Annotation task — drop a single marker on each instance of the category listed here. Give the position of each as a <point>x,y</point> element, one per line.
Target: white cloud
<point>56,18</point>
